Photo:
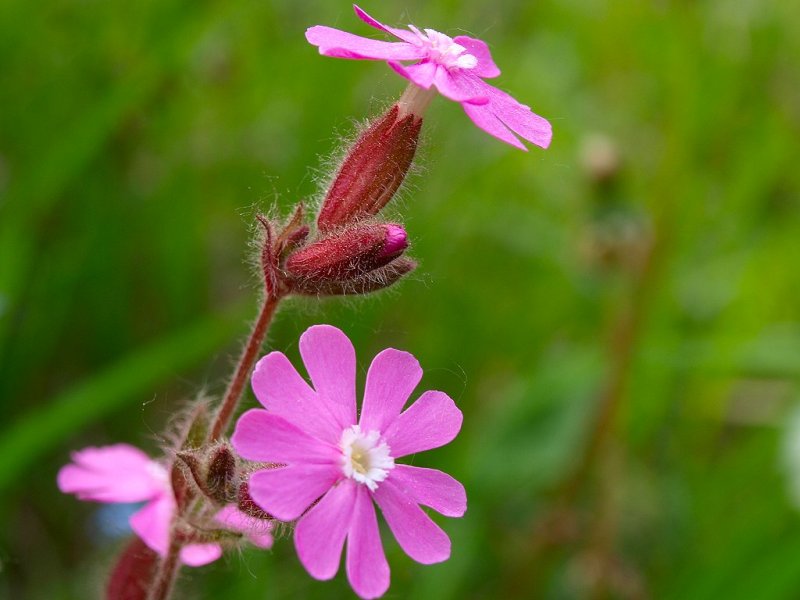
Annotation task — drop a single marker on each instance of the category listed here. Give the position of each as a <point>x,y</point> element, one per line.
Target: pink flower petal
<point>486,67</point>
<point>330,359</point>
<point>441,65</point>
<point>418,536</point>
<point>319,536</point>
<point>197,555</point>
<point>430,422</point>
<point>504,113</point>
<point>281,390</point>
<point>367,569</point>
<point>152,522</point>
<point>118,473</point>
<point>391,379</point>
<point>266,437</point>
<point>519,118</point>
<point>450,86</point>
<point>258,531</point>
<point>421,74</point>
<point>287,492</point>
<point>431,488</point>
<point>340,44</point>
<point>406,36</point>
<point>485,119</point>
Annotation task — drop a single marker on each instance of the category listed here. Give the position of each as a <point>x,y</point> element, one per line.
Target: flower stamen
<point>365,457</point>
<point>443,50</point>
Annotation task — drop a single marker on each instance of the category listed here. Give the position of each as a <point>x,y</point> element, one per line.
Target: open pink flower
<point>344,462</point>
<point>456,67</point>
<point>122,473</point>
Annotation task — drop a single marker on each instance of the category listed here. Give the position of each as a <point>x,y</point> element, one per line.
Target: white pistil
<point>365,457</point>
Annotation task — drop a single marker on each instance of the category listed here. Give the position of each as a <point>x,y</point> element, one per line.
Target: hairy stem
<point>167,571</point>
<point>244,366</point>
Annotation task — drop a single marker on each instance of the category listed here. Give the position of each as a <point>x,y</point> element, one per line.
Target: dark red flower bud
<point>364,284</point>
<point>247,505</point>
<point>372,171</point>
<point>214,472</point>
<point>133,573</point>
<point>221,475</point>
<point>347,254</point>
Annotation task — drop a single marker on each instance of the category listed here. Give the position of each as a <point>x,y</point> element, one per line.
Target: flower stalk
<point>166,573</point>
<point>243,367</point>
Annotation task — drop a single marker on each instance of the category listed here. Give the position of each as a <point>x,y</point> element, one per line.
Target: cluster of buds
<point>215,472</point>
<point>351,251</point>
<point>211,471</point>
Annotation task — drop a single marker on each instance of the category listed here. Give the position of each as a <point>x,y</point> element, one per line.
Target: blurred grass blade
<point>35,192</point>
<point>127,381</point>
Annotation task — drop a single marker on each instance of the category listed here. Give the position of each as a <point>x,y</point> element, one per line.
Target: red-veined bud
<point>247,505</point>
<point>345,257</point>
<point>372,171</point>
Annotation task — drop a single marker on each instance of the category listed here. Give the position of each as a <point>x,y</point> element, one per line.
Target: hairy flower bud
<point>214,472</point>
<point>247,505</point>
<point>221,475</point>
<point>345,256</point>
<point>364,284</point>
<point>372,171</point>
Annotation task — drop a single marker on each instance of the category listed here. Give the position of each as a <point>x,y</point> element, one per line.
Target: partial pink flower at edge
<point>455,67</point>
<point>123,473</point>
<point>349,464</point>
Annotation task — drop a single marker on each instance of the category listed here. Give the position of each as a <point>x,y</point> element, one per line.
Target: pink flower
<point>345,463</point>
<point>456,67</point>
<point>122,473</point>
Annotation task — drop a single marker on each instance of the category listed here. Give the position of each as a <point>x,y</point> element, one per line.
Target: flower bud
<point>364,284</point>
<point>247,505</point>
<point>214,474</point>
<point>221,475</point>
<point>181,488</point>
<point>132,575</point>
<point>346,255</point>
<point>197,426</point>
<point>372,171</point>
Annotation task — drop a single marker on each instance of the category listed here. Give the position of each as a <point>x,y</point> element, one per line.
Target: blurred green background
<point>618,316</point>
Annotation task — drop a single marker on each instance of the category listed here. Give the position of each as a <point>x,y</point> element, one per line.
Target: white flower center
<point>365,457</point>
<point>443,50</point>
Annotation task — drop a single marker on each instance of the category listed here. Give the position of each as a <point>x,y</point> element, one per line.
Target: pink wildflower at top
<point>345,463</point>
<point>456,67</point>
<point>122,473</point>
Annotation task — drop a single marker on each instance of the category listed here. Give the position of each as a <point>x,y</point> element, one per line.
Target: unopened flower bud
<point>197,426</point>
<point>221,475</point>
<point>346,255</point>
<point>180,485</point>
<point>131,577</point>
<point>214,474</point>
<point>364,284</point>
<point>247,505</point>
<point>372,171</point>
